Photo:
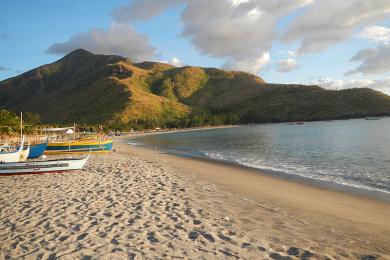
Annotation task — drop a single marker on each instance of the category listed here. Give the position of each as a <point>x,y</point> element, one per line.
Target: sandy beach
<point>134,204</point>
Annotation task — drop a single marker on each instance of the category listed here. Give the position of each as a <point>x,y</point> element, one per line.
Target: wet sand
<point>134,204</point>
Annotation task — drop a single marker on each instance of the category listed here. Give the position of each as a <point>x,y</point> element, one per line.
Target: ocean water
<point>354,153</point>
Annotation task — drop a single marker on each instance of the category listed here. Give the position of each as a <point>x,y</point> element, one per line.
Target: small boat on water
<point>12,156</point>
<point>55,165</point>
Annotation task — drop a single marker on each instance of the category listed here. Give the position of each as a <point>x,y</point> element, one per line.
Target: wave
<point>297,170</point>
<point>135,144</point>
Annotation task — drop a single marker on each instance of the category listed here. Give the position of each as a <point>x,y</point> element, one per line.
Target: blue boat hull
<point>37,150</point>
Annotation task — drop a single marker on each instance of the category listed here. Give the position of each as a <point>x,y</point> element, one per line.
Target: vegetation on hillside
<point>8,118</point>
<point>104,89</point>
<point>10,123</point>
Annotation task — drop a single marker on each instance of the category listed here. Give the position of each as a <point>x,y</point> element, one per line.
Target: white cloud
<point>373,61</point>
<point>176,62</point>
<point>240,31</point>
<point>327,22</point>
<point>360,83</point>
<point>376,34</point>
<point>238,2</point>
<point>328,83</point>
<point>249,65</point>
<point>119,39</point>
<point>380,85</point>
<point>288,65</point>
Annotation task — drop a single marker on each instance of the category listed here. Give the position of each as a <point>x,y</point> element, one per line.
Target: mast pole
<point>21,126</point>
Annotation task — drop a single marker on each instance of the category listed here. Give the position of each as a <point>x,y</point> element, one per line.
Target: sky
<point>332,43</point>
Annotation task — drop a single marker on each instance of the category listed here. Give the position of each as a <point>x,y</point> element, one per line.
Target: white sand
<point>129,205</point>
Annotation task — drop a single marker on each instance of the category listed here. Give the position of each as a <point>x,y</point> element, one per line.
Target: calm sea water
<point>350,152</point>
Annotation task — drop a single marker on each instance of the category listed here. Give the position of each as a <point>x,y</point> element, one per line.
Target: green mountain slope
<point>8,118</point>
<point>87,88</point>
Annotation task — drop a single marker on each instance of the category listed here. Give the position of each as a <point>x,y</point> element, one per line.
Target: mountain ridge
<point>88,88</point>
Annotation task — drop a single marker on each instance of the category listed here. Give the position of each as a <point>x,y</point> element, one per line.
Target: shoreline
<point>322,184</point>
<point>325,184</point>
<point>340,212</point>
<point>136,134</point>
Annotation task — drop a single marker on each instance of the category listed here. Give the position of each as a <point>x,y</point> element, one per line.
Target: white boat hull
<point>24,155</point>
<point>43,166</point>
<point>9,157</point>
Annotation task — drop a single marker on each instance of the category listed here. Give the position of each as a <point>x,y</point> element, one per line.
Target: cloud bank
<point>327,22</point>
<point>373,60</point>
<point>380,85</point>
<point>379,34</point>
<point>119,39</point>
<point>242,32</point>
<point>288,65</point>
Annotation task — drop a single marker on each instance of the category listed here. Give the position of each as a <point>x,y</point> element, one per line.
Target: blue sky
<point>28,29</point>
<point>32,26</point>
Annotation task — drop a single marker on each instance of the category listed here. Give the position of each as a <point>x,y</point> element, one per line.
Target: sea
<point>352,153</point>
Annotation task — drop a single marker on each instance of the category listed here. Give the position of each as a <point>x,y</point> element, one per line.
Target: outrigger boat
<point>79,146</point>
<point>12,156</point>
<point>57,165</point>
<point>76,146</point>
<point>31,152</point>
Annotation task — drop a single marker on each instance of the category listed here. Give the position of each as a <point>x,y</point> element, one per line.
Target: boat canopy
<point>58,129</point>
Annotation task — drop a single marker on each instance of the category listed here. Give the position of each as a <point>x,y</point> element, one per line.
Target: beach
<point>135,203</point>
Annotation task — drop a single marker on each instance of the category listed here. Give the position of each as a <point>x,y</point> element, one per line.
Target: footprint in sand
<point>278,256</point>
<point>151,236</point>
<point>196,222</point>
<point>209,237</point>
<point>82,236</point>
<point>114,241</point>
<point>63,238</point>
<point>193,235</point>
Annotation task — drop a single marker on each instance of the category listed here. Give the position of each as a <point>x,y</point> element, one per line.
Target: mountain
<point>86,88</point>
